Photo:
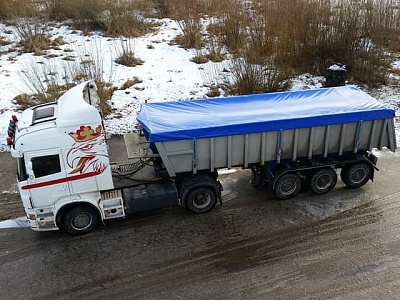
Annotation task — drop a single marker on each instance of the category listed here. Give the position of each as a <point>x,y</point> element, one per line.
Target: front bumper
<point>42,219</point>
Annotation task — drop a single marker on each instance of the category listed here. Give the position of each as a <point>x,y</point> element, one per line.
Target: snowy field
<point>167,73</point>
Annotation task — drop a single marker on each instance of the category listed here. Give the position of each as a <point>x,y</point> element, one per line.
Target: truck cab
<point>65,177</point>
<point>62,158</point>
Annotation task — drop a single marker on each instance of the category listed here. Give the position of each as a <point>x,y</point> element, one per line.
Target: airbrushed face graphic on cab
<point>89,152</point>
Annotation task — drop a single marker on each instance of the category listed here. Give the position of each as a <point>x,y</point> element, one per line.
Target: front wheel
<point>323,181</point>
<point>80,220</point>
<point>287,186</point>
<point>356,175</point>
<point>201,200</point>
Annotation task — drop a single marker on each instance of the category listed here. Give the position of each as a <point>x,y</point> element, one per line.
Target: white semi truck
<point>287,139</point>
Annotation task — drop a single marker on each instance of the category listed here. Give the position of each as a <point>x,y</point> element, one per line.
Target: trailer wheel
<point>287,186</point>
<point>356,175</point>
<point>201,200</point>
<point>323,181</point>
<point>80,220</point>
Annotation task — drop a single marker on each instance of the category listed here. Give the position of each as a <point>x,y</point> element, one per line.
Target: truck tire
<point>287,186</point>
<point>323,181</point>
<point>356,175</point>
<point>80,220</point>
<point>201,200</point>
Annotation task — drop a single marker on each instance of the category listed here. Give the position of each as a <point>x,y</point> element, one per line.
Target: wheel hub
<point>82,221</point>
<point>288,186</point>
<point>358,175</point>
<point>201,200</point>
<point>323,181</point>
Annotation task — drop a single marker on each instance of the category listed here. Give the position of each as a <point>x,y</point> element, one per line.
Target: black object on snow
<point>336,75</point>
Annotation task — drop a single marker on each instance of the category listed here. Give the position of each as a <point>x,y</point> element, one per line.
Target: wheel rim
<point>201,200</point>
<point>82,221</point>
<point>323,181</point>
<point>358,175</point>
<point>288,186</point>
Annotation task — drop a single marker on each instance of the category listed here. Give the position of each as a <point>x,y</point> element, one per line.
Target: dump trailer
<point>288,140</point>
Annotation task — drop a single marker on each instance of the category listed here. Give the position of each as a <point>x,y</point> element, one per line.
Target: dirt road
<point>10,205</point>
<point>343,245</point>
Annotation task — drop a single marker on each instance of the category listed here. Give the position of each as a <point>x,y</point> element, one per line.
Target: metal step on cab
<point>112,204</point>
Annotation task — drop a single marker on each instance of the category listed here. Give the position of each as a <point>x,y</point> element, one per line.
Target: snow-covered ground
<point>166,74</point>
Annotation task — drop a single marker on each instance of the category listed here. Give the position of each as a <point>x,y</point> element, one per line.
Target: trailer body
<point>288,139</point>
<point>241,131</point>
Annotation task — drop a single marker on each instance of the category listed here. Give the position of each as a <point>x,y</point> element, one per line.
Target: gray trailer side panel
<point>241,150</point>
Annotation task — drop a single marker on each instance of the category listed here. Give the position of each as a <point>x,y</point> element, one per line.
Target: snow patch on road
<point>15,223</point>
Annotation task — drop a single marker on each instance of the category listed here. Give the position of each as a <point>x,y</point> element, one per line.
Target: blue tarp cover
<point>182,120</point>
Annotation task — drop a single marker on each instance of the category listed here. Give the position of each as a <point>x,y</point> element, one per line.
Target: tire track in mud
<point>339,254</point>
<point>280,243</point>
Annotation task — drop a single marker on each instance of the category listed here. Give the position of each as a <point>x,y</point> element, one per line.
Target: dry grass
<point>128,59</point>
<point>126,55</point>
<point>312,35</point>
<point>199,58</point>
<point>131,82</point>
<point>251,78</point>
<point>192,36</point>
<point>11,9</point>
<point>32,35</point>
<point>105,92</point>
<point>51,93</point>
<point>4,41</point>
<point>24,101</point>
<point>114,18</point>
<point>48,80</point>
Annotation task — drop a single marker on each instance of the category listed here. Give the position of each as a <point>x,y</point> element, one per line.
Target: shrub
<point>115,18</point>
<point>131,82</point>
<point>4,41</point>
<point>24,101</point>
<point>214,50</point>
<point>232,25</point>
<point>86,15</point>
<point>199,58</point>
<point>315,34</point>
<point>129,23</point>
<point>105,92</point>
<point>192,35</point>
<point>32,35</point>
<point>127,56</point>
<point>213,92</point>
<point>251,78</point>
<point>12,9</point>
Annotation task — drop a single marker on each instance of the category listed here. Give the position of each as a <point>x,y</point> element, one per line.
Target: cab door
<point>47,179</point>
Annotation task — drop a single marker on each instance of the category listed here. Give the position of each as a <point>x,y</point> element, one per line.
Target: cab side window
<point>46,165</point>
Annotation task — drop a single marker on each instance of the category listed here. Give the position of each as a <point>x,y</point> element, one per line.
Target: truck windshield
<point>21,170</point>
